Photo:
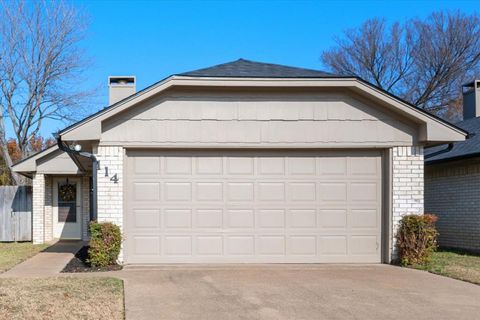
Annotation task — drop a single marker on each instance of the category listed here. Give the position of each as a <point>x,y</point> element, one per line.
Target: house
<point>243,162</point>
<point>452,180</point>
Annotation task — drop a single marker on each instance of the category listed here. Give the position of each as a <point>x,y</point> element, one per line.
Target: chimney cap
<point>121,80</point>
<point>471,84</point>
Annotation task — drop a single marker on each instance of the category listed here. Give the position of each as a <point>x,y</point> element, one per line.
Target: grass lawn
<point>455,265</point>
<point>13,253</point>
<point>61,298</point>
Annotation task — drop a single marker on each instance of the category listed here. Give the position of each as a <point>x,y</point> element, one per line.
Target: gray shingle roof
<point>251,69</point>
<point>467,148</point>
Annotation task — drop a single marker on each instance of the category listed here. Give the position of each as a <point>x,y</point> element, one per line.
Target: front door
<point>67,208</point>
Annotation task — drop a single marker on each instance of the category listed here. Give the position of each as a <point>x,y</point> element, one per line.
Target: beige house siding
<point>407,186</point>
<point>259,119</point>
<point>452,192</point>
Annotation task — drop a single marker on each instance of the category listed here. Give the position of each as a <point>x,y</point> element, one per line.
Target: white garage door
<point>252,206</point>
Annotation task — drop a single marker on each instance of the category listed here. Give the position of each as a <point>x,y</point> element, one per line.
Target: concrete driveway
<point>296,292</point>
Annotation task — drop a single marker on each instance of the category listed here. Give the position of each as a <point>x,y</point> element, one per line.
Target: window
<point>67,202</point>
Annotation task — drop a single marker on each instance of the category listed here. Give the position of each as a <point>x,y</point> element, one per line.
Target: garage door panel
<point>240,191</point>
<point>177,218</point>
<point>178,191</point>
<point>333,166</point>
<point>240,245</point>
<point>364,191</point>
<point>302,191</point>
<point>240,165</point>
<point>271,218</point>
<point>333,218</point>
<point>333,191</point>
<point>209,165</point>
<point>303,218</point>
<point>146,191</point>
<point>271,191</point>
<point>302,165</point>
<point>260,207</point>
<point>209,191</point>
<point>210,245</point>
<point>146,218</point>
<point>333,245</point>
<point>271,245</point>
<point>304,245</point>
<point>178,245</point>
<point>271,166</point>
<point>209,218</point>
<point>178,165</point>
<point>240,218</point>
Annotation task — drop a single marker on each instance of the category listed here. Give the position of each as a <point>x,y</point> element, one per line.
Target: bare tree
<point>422,61</point>
<point>40,65</point>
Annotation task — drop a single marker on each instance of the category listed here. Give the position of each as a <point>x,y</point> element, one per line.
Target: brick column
<point>407,186</point>
<point>38,216</point>
<point>110,193</point>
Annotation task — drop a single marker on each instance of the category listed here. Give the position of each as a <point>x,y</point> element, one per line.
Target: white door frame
<point>67,230</point>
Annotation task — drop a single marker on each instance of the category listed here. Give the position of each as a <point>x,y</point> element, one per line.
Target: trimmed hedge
<point>105,242</point>
<point>417,239</point>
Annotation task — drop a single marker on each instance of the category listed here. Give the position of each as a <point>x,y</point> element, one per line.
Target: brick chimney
<point>471,100</point>
<point>120,87</point>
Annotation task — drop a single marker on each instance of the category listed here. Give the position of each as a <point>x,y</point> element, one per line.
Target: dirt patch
<point>61,298</point>
<point>79,264</point>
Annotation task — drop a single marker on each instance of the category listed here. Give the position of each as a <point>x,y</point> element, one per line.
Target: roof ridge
<point>249,68</point>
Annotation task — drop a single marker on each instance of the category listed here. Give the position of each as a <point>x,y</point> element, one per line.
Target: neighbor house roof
<point>462,149</point>
<point>250,69</point>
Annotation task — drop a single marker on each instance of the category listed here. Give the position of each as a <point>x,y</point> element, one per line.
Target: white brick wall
<point>407,185</point>
<point>110,194</point>
<point>38,218</point>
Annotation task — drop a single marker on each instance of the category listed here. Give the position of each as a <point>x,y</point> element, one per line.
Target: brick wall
<point>110,193</point>
<point>407,185</point>
<point>38,218</point>
<point>452,192</point>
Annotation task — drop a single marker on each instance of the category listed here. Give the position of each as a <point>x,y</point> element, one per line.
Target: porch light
<point>77,147</point>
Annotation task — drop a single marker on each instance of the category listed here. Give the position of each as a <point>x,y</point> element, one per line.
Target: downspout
<point>62,146</point>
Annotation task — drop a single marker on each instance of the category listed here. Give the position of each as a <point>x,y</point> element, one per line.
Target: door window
<point>67,202</point>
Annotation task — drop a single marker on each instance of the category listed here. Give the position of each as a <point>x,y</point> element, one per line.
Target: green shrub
<point>417,239</point>
<point>105,242</point>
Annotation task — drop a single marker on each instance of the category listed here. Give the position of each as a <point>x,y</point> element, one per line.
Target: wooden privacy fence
<point>15,213</point>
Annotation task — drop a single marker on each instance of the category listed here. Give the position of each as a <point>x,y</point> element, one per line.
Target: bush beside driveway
<point>12,253</point>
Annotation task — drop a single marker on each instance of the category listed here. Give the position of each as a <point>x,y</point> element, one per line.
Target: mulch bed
<point>79,264</point>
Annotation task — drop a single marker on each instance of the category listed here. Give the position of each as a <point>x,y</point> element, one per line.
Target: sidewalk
<point>46,263</point>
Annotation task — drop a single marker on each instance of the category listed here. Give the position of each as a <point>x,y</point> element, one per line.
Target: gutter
<point>62,146</point>
<point>447,149</point>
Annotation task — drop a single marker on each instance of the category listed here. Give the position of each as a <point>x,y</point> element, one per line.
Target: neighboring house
<point>241,162</point>
<point>452,180</point>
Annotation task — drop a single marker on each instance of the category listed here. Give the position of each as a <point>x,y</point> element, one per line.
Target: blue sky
<point>153,39</point>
